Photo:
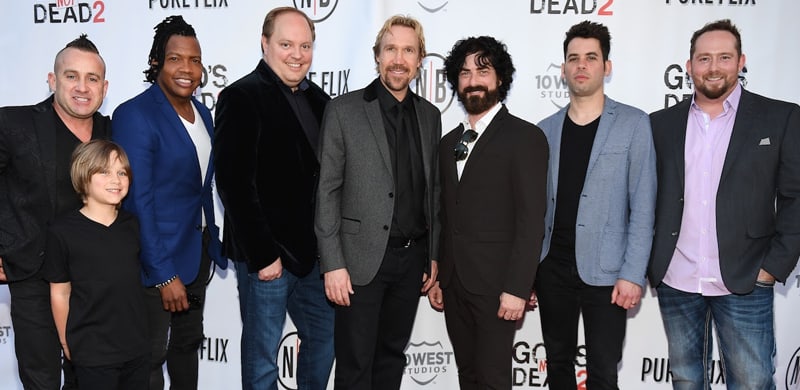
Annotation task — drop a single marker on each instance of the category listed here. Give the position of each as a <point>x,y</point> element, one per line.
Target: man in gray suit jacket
<point>599,222</point>
<point>376,215</point>
<point>727,216</point>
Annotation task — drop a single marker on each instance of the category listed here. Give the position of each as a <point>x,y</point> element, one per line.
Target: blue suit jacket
<point>166,194</point>
<point>614,228</point>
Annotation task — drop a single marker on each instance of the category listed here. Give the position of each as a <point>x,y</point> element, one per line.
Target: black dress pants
<point>370,335</point>
<point>36,341</point>
<point>184,328</point>
<point>482,342</point>
<point>563,297</point>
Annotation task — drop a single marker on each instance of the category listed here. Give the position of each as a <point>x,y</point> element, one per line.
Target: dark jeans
<point>35,338</point>
<point>130,375</point>
<point>563,297</point>
<point>264,308</point>
<point>175,337</point>
<point>370,335</point>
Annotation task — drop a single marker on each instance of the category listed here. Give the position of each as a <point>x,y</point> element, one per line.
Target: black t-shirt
<point>576,148</point>
<point>66,142</point>
<point>107,319</point>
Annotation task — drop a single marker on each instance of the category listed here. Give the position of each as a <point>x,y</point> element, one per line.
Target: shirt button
<point>391,194</point>
<point>385,227</point>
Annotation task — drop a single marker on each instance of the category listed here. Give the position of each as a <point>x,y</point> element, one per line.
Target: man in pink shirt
<point>727,216</point>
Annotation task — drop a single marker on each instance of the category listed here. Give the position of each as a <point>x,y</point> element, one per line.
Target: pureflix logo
<point>69,11</point>
<point>317,10</point>
<point>713,2</point>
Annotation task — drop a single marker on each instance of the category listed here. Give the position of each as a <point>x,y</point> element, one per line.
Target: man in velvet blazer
<point>494,179</point>
<point>727,216</point>
<point>266,140</point>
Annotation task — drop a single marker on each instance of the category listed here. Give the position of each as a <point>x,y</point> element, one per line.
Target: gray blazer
<point>614,228</point>
<point>758,210</point>
<point>355,200</point>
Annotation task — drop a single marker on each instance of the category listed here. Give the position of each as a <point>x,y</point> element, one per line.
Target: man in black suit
<point>727,216</point>
<point>494,179</point>
<point>36,144</point>
<point>267,126</point>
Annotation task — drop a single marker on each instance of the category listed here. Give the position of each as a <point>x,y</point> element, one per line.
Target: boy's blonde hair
<point>92,157</point>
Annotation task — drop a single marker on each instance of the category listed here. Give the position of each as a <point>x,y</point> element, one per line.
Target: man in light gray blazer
<point>600,212</point>
<point>376,217</point>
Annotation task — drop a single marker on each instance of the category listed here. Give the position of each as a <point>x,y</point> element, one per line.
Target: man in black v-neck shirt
<point>599,221</point>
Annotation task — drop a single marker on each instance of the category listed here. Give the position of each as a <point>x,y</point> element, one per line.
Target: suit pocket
<point>612,249</point>
<point>350,226</point>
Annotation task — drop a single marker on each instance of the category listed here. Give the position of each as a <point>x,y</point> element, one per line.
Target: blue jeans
<point>745,330</point>
<point>264,313</point>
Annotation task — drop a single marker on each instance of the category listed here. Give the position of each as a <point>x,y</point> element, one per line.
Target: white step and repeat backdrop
<point>649,49</point>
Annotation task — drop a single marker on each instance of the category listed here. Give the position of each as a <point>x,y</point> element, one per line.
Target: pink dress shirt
<point>695,266</point>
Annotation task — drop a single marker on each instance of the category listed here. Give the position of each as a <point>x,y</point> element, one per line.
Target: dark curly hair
<point>490,52</point>
<point>172,25</point>
<point>587,29</point>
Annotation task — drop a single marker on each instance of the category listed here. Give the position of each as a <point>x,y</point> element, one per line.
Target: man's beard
<point>715,92</point>
<point>476,104</point>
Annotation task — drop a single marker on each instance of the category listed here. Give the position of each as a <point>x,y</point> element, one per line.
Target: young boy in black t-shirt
<point>92,264</point>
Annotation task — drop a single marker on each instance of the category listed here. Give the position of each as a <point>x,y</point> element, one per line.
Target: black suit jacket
<point>493,219</point>
<point>28,182</point>
<point>266,173</point>
<point>761,171</point>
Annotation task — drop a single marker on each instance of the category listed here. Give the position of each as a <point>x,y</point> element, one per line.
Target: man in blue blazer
<point>599,221</point>
<point>727,216</point>
<point>167,135</point>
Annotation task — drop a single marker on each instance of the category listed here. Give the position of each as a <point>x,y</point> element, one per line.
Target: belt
<point>402,242</point>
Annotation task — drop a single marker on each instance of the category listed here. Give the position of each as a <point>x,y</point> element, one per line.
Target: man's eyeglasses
<point>462,150</point>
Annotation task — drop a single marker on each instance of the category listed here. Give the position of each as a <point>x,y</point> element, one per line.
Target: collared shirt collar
<point>301,87</point>
<point>387,100</point>
<point>731,102</point>
<point>485,120</point>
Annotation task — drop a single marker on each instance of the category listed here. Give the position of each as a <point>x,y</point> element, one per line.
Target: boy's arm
<point>59,301</point>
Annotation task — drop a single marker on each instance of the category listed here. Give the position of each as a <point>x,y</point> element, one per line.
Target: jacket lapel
<point>372,109</point>
<point>485,138</point>
<point>45,125</point>
<point>742,126</point>
<point>174,127</point>
<point>607,119</point>
<point>424,135</point>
